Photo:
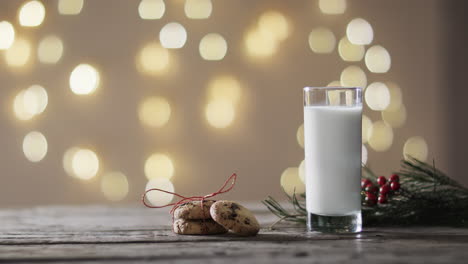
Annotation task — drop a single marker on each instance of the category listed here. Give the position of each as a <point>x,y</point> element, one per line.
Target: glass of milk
<point>332,144</point>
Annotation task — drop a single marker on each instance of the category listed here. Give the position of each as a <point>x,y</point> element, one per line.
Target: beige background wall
<point>259,145</point>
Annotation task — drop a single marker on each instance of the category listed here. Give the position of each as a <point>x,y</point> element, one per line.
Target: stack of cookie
<point>216,217</point>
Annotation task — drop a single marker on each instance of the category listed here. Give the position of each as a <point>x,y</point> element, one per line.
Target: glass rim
<point>333,88</point>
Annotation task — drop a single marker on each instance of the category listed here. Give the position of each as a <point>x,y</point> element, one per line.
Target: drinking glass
<point>333,145</point>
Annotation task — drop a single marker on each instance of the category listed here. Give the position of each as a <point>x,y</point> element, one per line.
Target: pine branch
<point>427,197</point>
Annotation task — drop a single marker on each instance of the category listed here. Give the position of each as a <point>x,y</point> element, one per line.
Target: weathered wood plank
<point>97,234</point>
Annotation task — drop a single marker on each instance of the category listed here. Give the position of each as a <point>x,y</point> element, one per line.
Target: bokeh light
<point>213,47</point>
<point>364,155</point>
<point>19,54</point>
<point>114,186</point>
<point>300,136</point>
<point>153,59</point>
<point>302,173</point>
<point>395,118</point>
<point>396,98</point>
<point>154,111</point>
<point>198,9</point>
<point>225,87</point>
<point>151,9</point>
<point>67,160</point>
<point>322,40</point>
<point>50,49</point>
<point>159,198</point>
<point>70,7</point>
<point>159,165</point>
<point>7,35</point>
<point>349,51</point>
<point>366,127</point>
<point>31,14</point>
<point>291,182</point>
<point>173,36</point>
<point>378,59</point>
<point>30,102</point>
<point>416,147</point>
<point>353,76</point>
<point>377,96</point>
<point>220,113</point>
<point>84,164</point>
<point>259,45</point>
<point>359,32</point>
<point>381,136</point>
<point>84,79</point>
<point>35,146</point>
<point>273,25</point>
<point>332,7</point>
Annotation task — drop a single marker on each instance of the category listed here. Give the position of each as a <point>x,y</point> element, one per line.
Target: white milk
<point>332,138</point>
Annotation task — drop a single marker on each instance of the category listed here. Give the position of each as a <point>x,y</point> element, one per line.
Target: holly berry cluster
<point>380,192</point>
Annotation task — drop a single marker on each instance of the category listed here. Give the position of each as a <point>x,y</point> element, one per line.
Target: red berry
<point>382,199</point>
<point>394,178</point>
<point>395,185</point>
<point>384,190</point>
<point>370,199</point>
<point>381,180</point>
<point>371,189</point>
<point>365,183</point>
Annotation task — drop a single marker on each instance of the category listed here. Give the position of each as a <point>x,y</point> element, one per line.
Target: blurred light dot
<point>366,127</point>
<point>114,186</point>
<point>68,160</point>
<point>359,32</point>
<point>349,51</point>
<point>395,118</point>
<point>353,76</point>
<point>19,107</point>
<point>416,147</point>
<point>35,100</point>
<point>159,166</point>
<point>159,198</point>
<point>154,111</point>
<point>50,50</point>
<point>7,35</point>
<point>322,40</point>
<point>198,9</point>
<point>259,45</point>
<point>377,96</point>
<point>381,136</point>
<point>70,7</point>
<point>291,182</point>
<point>396,99</point>
<point>35,146</point>
<point>273,25</point>
<point>220,113</point>
<point>31,14</point>
<point>84,79</point>
<point>153,59</point>
<point>225,87</point>
<point>378,59</point>
<point>213,47</point>
<point>332,7</point>
<point>85,164</point>
<point>173,36</point>
<point>19,53</point>
<point>364,155</point>
<point>300,135</point>
<point>151,9</point>
<point>302,172</point>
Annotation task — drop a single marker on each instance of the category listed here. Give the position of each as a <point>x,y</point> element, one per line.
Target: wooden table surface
<point>100,234</point>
